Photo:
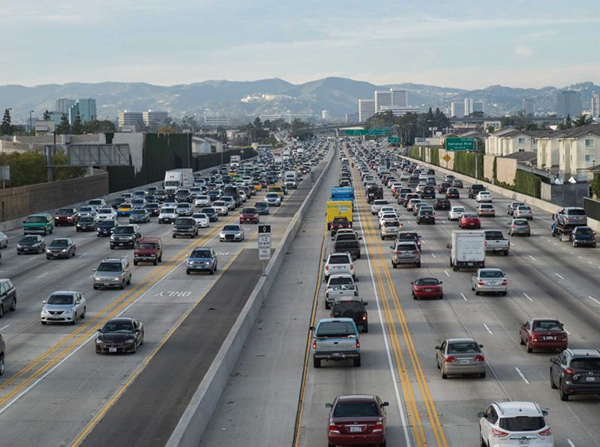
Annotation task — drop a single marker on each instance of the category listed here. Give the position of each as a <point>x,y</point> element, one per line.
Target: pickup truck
<point>339,223</point>
<point>339,286</point>
<point>475,189</point>
<point>347,243</point>
<point>495,242</point>
<point>335,339</point>
<point>352,307</point>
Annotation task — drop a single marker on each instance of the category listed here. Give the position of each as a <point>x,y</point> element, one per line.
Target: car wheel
<point>43,322</point>
<point>563,396</point>
<point>1,364</point>
<point>441,296</point>
<point>1,310</point>
<point>155,261</point>
<point>187,272</point>
<point>482,376</point>
<point>135,263</point>
<point>95,288</point>
<point>327,305</point>
<point>317,363</point>
<point>122,285</point>
<point>552,384</point>
<point>366,328</point>
<point>477,293</point>
<point>47,257</point>
<point>129,281</point>
<point>357,362</point>
<point>13,305</point>
<point>418,264</point>
<point>394,265</point>
<point>444,375</point>
<point>521,341</point>
<point>84,312</point>
<point>529,348</point>
<point>74,322</point>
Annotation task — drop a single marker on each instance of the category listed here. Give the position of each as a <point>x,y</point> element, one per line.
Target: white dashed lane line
<point>527,296</point>
<point>558,275</point>
<point>488,329</point>
<point>522,376</point>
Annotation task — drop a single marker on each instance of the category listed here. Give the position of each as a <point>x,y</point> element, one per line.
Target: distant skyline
<point>467,45</point>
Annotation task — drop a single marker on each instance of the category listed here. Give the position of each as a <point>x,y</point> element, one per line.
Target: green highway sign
<point>460,144</point>
<point>378,132</point>
<point>358,132</point>
<point>395,140</point>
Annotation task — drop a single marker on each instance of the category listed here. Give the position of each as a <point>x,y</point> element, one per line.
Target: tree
<point>96,126</point>
<point>77,127</point>
<point>582,120</point>
<point>64,128</point>
<point>6,128</point>
<point>46,115</point>
<point>567,124</point>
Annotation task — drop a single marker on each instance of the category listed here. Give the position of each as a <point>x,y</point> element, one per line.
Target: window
<point>521,140</point>
<point>589,143</point>
<point>589,159</point>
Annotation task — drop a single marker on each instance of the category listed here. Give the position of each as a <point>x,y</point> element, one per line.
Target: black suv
<point>352,308</point>
<point>428,192</point>
<point>441,204</point>
<point>583,236</point>
<point>125,236</point>
<point>576,371</point>
<point>475,189</point>
<point>105,227</point>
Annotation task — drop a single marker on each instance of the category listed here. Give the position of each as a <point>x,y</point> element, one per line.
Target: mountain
<point>245,100</point>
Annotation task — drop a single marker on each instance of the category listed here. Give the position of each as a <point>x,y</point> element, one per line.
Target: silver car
<point>523,212</point>
<point>112,272</point>
<point>201,219</point>
<point>489,280</point>
<point>378,204</point>
<point>405,253</point>
<point>232,232</point>
<point>519,226</point>
<point>63,307</point>
<point>202,201</point>
<point>3,240</point>
<point>390,228</point>
<point>460,356</point>
<point>221,207</point>
<point>340,285</point>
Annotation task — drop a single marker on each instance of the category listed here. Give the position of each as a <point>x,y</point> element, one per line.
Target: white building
<point>126,118</point>
<point>382,99</point>
<point>216,121</point>
<point>325,115</point>
<point>457,109</point>
<point>595,104</point>
<point>152,117</point>
<point>399,98</point>
<point>401,111</point>
<point>366,109</point>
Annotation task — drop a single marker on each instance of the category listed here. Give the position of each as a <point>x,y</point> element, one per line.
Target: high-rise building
<point>351,118</point>
<point>131,119</point>
<point>478,107</point>
<point>568,102</point>
<point>382,99</point>
<point>217,120</point>
<point>457,110</point>
<point>325,115</point>
<point>366,109</point>
<point>153,117</point>
<point>468,107</point>
<point>86,109</point>
<point>399,98</point>
<point>528,106</point>
<point>595,104</point>
<point>63,105</point>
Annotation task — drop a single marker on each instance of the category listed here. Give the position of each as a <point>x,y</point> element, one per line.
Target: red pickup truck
<point>338,223</point>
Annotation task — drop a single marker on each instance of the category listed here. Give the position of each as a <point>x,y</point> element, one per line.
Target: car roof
<point>60,291</point>
<point>512,409</point>
<point>584,352</point>
<point>460,340</point>
<point>356,398</point>
<point>120,320</point>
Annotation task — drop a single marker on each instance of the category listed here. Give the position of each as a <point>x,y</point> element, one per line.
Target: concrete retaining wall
<point>196,417</point>
<point>16,203</point>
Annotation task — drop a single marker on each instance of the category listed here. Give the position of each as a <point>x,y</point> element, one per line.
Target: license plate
<point>549,338</point>
<point>590,379</point>
<point>497,249</point>
<point>355,429</point>
<point>112,349</point>
<point>465,362</point>
<point>121,243</point>
<point>469,263</point>
<point>428,290</point>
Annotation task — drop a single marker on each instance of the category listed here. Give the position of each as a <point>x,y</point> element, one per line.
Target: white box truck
<point>234,161</point>
<point>467,250</point>
<point>178,178</point>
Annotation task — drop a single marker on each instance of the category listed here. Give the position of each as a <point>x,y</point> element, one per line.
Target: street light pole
<point>30,124</point>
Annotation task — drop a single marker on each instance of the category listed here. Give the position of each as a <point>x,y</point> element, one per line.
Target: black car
<point>31,244</point>
<point>120,335</point>
<point>105,227</point>
<point>160,195</point>
<point>87,223</point>
<point>426,216</point>
<point>117,202</point>
<point>212,214</point>
<point>428,192</point>
<point>62,247</point>
<point>183,195</point>
<point>8,300</point>
<point>441,204</point>
<point>352,308</point>
<point>475,189</point>
<point>125,236</point>
<point>214,194</point>
<point>153,209</point>
<point>583,236</point>
<point>185,226</point>
<point>576,371</point>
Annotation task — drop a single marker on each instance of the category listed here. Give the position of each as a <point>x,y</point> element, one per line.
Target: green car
<point>41,223</point>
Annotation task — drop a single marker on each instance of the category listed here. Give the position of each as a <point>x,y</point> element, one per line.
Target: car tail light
<point>326,267</point>
<point>351,266</point>
<point>379,427</point>
<point>314,344</point>
<point>570,371</point>
<point>479,358</point>
<point>480,282</point>
<point>416,252</point>
<point>357,344</point>
<point>547,432</point>
<point>334,429</point>
<point>450,359</point>
<point>499,433</point>
<point>396,252</point>
<point>486,244</point>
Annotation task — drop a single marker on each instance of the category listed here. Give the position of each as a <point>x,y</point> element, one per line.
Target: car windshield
<point>338,260</point>
<point>28,240</point>
<point>426,212</point>
<point>60,243</point>
<point>138,211</point>
<point>585,231</point>
<point>336,328</point>
<point>219,204</point>
<point>124,230</point>
<point>589,364</point>
<point>185,221</point>
<point>272,195</point>
<point>199,216</point>
<point>125,206</point>
<point>469,216</point>
<point>547,325</point>
<point>35,219</point>
<point>468,347</point>
<point>576,212</point>
<point>95,202</point>
<point>354,410</point>
<point>183,205</point>
<point>202,198</point>
<point>231,228</point>
<point>105,211</point>
<point>522,423</point>
<point>107,223</point>
<point>489,207</point>
<point>202,253</point>
<point>354,306</point>
<point>380,202</point>
<point>492,235</point>
<point>121,327</point>
<point>520,222</point>
<point>491,274</point>
<point>168,210</point>
<point>208,211</point>
<point>392,223</point>
<point>60,299</point>
<point>86,219</point>
<point>405,247</point>
<point>523,208</point>
<point>147,246</point>
<point>249,211</point>
<point>407,236</point>
<point>65,211</point>
<point>334,281</point>
<point>109,267</point>
<point>427,282</point>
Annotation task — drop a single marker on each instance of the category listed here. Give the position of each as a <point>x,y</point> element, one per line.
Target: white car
<point>87,210</point>
<point>273,199</point>
<point>523,212</point>
<point>338,263</point>
<point>243,196</point>
<point>167,214</point>
<point>484,197</point>
<point>455,212</point>
<point>221,207</point>
<point>3,240</point>
<point>420,187</point>
<point>378,204</point>
<point>201,201</point>
<point>386,210</point>
<point>107,214</point>
<point>512,423</point>
<point>387,217</point>
<point>229,201</point>
<point>201,219</point>
<point>63,307</point>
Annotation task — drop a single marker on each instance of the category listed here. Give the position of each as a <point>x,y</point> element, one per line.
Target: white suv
<point>514,424</point>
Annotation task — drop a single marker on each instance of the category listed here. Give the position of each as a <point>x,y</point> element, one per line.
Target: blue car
<point>202,259</point>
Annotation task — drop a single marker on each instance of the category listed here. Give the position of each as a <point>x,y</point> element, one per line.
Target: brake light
<point>450,359</point>
<point>486,244</point>
<point>547,432</point>
<point>416,252</point>
<point>379,427</point>
<point>314,344</point>
<point>357,344</point>
<point>479,358</point>
<point>480,282</point>
<point>364,317</point>
<point>351,266</point>
<point>504,282</point>
<point>499,433</point>
<point>334,429</point>
<point>396,252</point>
<point>326,267</point>
<point>570,371</point>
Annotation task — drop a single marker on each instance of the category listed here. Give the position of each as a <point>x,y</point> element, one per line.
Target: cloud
<point>523,51</point>
<point>537,36</point>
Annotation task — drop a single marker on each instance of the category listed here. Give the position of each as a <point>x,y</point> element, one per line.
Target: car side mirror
<point>311,328</point>
<point>328,405</point>
<point>481,346</point>
<point>44,302</point>
<point>448,245</point>
<point>385,404</point>
<point>437,348</point>
<point>99,329</point>
<point>93,270</point>
<point>392,247</point>
<point>553,360</point>
<point>481,414</point>
<point>365,303</point>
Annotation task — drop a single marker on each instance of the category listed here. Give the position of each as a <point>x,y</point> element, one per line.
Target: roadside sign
<point>264,242</point>
<point>264,254</point>
<point>460,144</point>
<point>447,158</point>
<point>358,132</point>
<point>394,140</point>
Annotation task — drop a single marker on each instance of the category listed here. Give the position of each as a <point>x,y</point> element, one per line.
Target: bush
<point>527,183</point>
<point>596,185</point>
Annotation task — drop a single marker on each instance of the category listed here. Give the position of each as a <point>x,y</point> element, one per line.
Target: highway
<point>56,388</point>
<point>547,278</point>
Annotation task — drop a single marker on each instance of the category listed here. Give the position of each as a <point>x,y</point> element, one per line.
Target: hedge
<point>464,163</point>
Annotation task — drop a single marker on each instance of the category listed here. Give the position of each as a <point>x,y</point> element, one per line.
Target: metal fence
<point>592,208</point>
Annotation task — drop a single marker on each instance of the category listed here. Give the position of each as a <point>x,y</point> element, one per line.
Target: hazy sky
<point>458,43</point>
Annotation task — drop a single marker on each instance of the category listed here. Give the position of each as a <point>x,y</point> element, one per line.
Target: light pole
<point>30,124</point>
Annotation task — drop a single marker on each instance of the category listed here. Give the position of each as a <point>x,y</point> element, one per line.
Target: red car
<point>249,215</point>
<point>263,184</point>
<point>66,216</point>
<point>427,288</point>
<point>452,193</point>
<point>357,420</point>
<point>469,221</point>
<point>543,334</point>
